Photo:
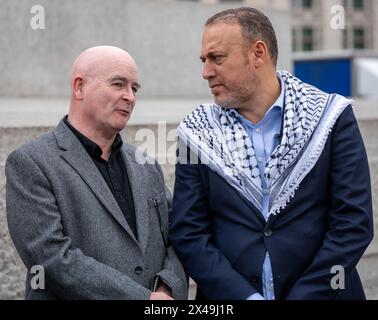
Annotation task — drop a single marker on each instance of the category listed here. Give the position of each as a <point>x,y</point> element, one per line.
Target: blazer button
<point>268,233</point>
<point>138,270</point>
<point>254,278</point>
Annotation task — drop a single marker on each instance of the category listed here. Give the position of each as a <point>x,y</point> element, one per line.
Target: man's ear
<point>260,53</point>
<point>77,87</point>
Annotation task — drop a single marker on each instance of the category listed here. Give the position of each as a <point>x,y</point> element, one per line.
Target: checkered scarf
<point>220,141</point>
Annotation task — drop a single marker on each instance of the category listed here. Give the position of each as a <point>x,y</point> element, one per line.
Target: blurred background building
<point>312,29</point>
<point>310,22</point>
<point>164,37</point>
<point>335,45</point>
<point>342,36</point>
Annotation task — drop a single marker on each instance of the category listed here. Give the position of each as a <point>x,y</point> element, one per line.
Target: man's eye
<point>118,84</point>
<point>218,59</point>
<point>135,90</point>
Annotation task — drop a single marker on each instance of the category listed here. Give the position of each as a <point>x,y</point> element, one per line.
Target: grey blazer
<point>62,216</point>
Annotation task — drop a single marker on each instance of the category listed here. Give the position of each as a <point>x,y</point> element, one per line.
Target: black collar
<point>92,148</point>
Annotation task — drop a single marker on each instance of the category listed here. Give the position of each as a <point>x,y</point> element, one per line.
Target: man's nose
<point>129,95</point>
<point>208,71</point>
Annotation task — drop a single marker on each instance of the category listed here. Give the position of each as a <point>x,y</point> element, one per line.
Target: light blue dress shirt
<point>265,137</point>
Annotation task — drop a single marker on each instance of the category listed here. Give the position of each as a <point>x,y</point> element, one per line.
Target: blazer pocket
<point>159,209</point>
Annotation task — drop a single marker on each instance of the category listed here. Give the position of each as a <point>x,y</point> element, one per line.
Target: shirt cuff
<point>256,296</point>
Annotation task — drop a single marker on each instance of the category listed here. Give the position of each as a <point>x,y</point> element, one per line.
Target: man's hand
<point>163,292</point>
<point>160,296</point>
<point>164,289</point>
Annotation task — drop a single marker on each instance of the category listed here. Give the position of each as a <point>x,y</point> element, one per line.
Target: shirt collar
<point>91,147</point>
<point>281,99</point>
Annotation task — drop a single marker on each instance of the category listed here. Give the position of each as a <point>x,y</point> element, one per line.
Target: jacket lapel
<point>139,186</point>
<point>253,208</point>
<point>76,156</point>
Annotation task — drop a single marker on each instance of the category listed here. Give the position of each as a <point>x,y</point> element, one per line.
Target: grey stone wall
<point>164,38</point>
<point>12,271</point>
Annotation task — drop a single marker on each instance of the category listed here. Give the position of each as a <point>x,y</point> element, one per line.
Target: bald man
<point>87,219</point>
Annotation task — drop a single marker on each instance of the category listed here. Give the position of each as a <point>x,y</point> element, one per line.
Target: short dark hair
<point>254,26</point>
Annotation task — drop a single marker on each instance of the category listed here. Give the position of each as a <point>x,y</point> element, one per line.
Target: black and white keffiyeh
<point>219,140</point>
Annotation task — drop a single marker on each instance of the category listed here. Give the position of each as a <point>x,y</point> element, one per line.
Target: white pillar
<point>332,12</point>
<point>375,24</point>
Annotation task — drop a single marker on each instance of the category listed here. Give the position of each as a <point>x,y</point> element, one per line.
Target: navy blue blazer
<point>221,238</point>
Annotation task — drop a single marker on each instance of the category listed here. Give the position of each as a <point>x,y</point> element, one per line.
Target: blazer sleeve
<point>350,216</point>
<point>191,237</point>
<point>36,229</point>
<point>172,273</point>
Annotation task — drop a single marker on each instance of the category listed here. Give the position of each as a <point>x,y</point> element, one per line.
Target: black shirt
<point>113,171</point>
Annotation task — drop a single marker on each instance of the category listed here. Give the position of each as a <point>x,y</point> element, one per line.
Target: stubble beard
<point>241,93</point>
<point>238,96</point>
